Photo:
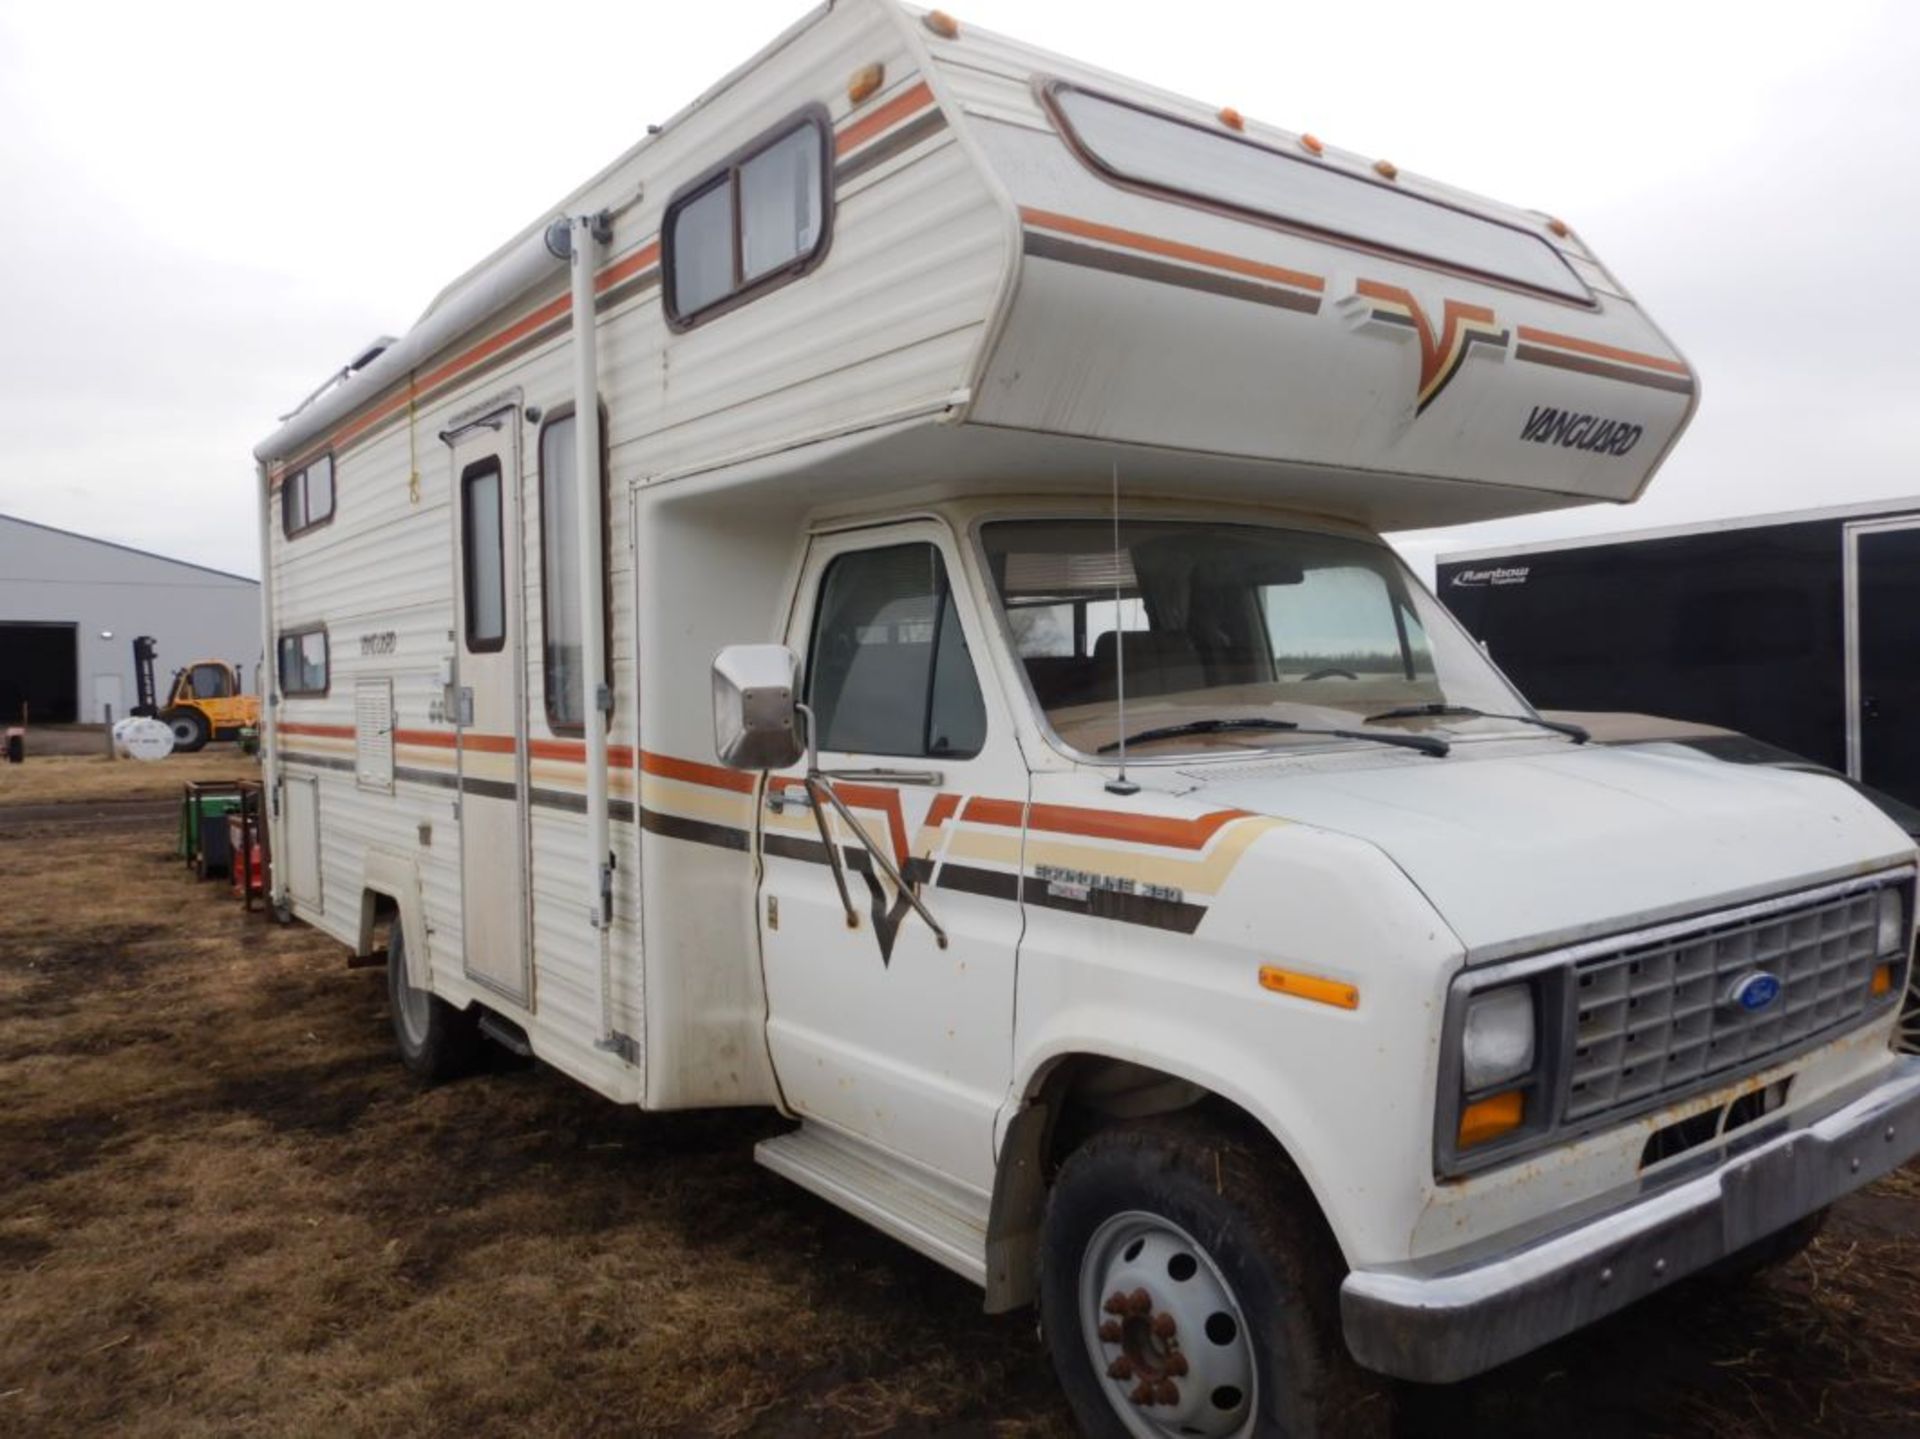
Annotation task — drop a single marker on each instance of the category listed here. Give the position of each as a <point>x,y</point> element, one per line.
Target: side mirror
<point>756,721</point>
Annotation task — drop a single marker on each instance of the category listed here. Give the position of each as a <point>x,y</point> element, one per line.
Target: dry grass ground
<point>50,778</point>
<point>226,1209</point>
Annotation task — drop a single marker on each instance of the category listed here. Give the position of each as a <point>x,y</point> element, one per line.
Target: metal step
<point>944,1221</point>
<point>508,1035</point>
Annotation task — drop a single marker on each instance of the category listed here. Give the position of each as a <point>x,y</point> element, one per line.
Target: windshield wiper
<point>1426,744</point>
<point>1436,710</point>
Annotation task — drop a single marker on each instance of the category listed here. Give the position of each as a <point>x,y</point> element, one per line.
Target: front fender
<point>1347,1093</point>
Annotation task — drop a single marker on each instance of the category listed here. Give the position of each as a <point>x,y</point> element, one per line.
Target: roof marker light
<point>942,24</point>
<point>1232,118</point>
<point>1558,226</point>
<point>1386,169</point>
<point>865,81</point>
<point>1311,144</point>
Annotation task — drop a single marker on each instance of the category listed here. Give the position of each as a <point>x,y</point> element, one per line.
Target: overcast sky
<point>210,206</point>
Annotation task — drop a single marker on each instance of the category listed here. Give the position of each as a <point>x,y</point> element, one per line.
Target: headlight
<point>1496,1043</point>
<point>1890,927</point>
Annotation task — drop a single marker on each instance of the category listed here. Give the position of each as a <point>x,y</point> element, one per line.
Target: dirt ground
<point>225,1208</point>
<point>49,778</point>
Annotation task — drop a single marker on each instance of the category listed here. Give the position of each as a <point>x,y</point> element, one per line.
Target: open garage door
<point>40,668</point>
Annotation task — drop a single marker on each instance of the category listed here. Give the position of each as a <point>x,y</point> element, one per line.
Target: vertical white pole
<point>595,682</point>
<point>269,692</point>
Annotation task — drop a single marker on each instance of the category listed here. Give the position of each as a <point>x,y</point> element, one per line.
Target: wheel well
<point>1076,1098</point>
<point>376,909</point>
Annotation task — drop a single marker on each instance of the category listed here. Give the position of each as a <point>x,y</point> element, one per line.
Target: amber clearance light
<point>1309,986</point>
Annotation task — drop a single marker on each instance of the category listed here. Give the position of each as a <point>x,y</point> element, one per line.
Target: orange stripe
<point>1101,823</point>
<point>942,809</point>
<point>332,731</point>
<point>1605,352</point>
<point>437,738</point>
<point>1172,249</point>
<point>918,97</point>
<point>625,269</point>
<point>691,772</point>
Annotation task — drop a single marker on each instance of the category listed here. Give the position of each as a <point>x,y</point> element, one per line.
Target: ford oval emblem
<point>1753,992</point>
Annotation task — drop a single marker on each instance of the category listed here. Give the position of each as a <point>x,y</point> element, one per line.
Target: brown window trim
<point>727,172</point>
<point>279,661</point>
<point>487,464</point>
<point>1048,89</point>
<point>286,488</point>
<point>552,417</point>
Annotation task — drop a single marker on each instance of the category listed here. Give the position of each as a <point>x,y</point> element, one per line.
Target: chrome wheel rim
<point>1164,1331</point>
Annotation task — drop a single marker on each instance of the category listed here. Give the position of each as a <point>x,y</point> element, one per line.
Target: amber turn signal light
<point>1882,979</point>
<point>1491,1117</point>
<point>1309,986</point>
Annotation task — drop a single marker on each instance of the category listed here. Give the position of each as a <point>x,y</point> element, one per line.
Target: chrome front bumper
<point>1446,1324</point>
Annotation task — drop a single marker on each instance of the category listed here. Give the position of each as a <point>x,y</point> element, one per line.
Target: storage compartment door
<point>300,839</point>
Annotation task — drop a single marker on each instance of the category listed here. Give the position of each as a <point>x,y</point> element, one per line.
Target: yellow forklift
<point>205,701</point>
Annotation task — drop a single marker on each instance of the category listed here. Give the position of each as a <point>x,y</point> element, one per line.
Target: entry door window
<point>484,555</point>
<point>890,672</point>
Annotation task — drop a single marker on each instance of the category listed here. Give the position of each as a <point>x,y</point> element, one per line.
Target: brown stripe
<point>905,138</point>
<point>1170,249</point>
<point>1561,360</point>
<point>1602,352</point>
<point>915,97</point>
<point>1139,267</point>
<point>693,772</point>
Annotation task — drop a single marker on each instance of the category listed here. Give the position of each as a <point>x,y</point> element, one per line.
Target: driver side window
<point>888,669</point>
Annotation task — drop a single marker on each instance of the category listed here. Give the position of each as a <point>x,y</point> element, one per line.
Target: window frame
<point>951,595</point>
<point>727,172</point>
<point>553,417</point>
<point>469,473</point>
<point>326,664</point>
<point>1048,89</point>
<point>289,530</point>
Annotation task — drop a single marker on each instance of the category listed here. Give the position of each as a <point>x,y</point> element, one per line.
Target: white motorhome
<point>873,607</point>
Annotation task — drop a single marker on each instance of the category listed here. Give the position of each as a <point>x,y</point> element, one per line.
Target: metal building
<point>70,606</point>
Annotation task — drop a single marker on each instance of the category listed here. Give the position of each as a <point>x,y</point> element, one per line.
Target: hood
<point>1520,851</point>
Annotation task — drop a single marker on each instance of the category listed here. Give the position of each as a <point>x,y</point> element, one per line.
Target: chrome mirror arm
<point>818,786</point>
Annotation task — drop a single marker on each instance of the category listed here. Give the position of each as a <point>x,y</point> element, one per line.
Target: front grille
<point>1656,1017</point>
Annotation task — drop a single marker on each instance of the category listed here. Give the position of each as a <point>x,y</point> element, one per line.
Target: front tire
<point>1188,1287</point>
<point>436,1041</point>
<point>190,730</point>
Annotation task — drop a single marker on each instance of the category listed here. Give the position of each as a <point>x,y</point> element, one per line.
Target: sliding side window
<point>303,662</point>
<point>758,218</point>
<point>306,497</point>
<point>562,650</point>
<point>483,556</point>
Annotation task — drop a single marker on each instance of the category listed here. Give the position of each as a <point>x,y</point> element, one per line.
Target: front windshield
<point>1230,622</point>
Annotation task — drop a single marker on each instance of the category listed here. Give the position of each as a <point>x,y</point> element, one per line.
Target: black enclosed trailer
<point>1800,629</point>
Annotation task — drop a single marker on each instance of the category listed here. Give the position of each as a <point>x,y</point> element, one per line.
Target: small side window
<point>306,497</point>
<point>211,682</point>
<point>483,556</point>
<point>562,654</point>
<point>304,662</point>
<point>890,673</point>
<point>759,217</point>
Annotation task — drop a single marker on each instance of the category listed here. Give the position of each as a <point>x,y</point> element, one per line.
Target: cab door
<point>490,716</point>
<point>874,1028</point>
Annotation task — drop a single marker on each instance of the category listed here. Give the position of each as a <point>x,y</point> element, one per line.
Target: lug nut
<point>1121,1368</point>
<point>1140,1302</point>
<point>1166,1392</point>
<point>1116,1303</point>
<point>1110,1332</point>
<point>1177,1365</point>
<point>1142,1393</point>
<point>1164,1326</point>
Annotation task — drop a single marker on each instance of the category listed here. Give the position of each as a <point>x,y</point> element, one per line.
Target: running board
<point>942,1220</point>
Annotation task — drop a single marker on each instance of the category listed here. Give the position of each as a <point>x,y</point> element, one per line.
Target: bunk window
<point>306,497</point>
<point>483,556</point>
<point>1134,145</point>
<point>561,637</point>
<point>891,674</point>
<point>756,219</point>
<point>304,662</point>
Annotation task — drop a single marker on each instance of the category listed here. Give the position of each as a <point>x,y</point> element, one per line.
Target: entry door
<point>875,1029</point>
<point>490,715</point>
<point>1883,655</point>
